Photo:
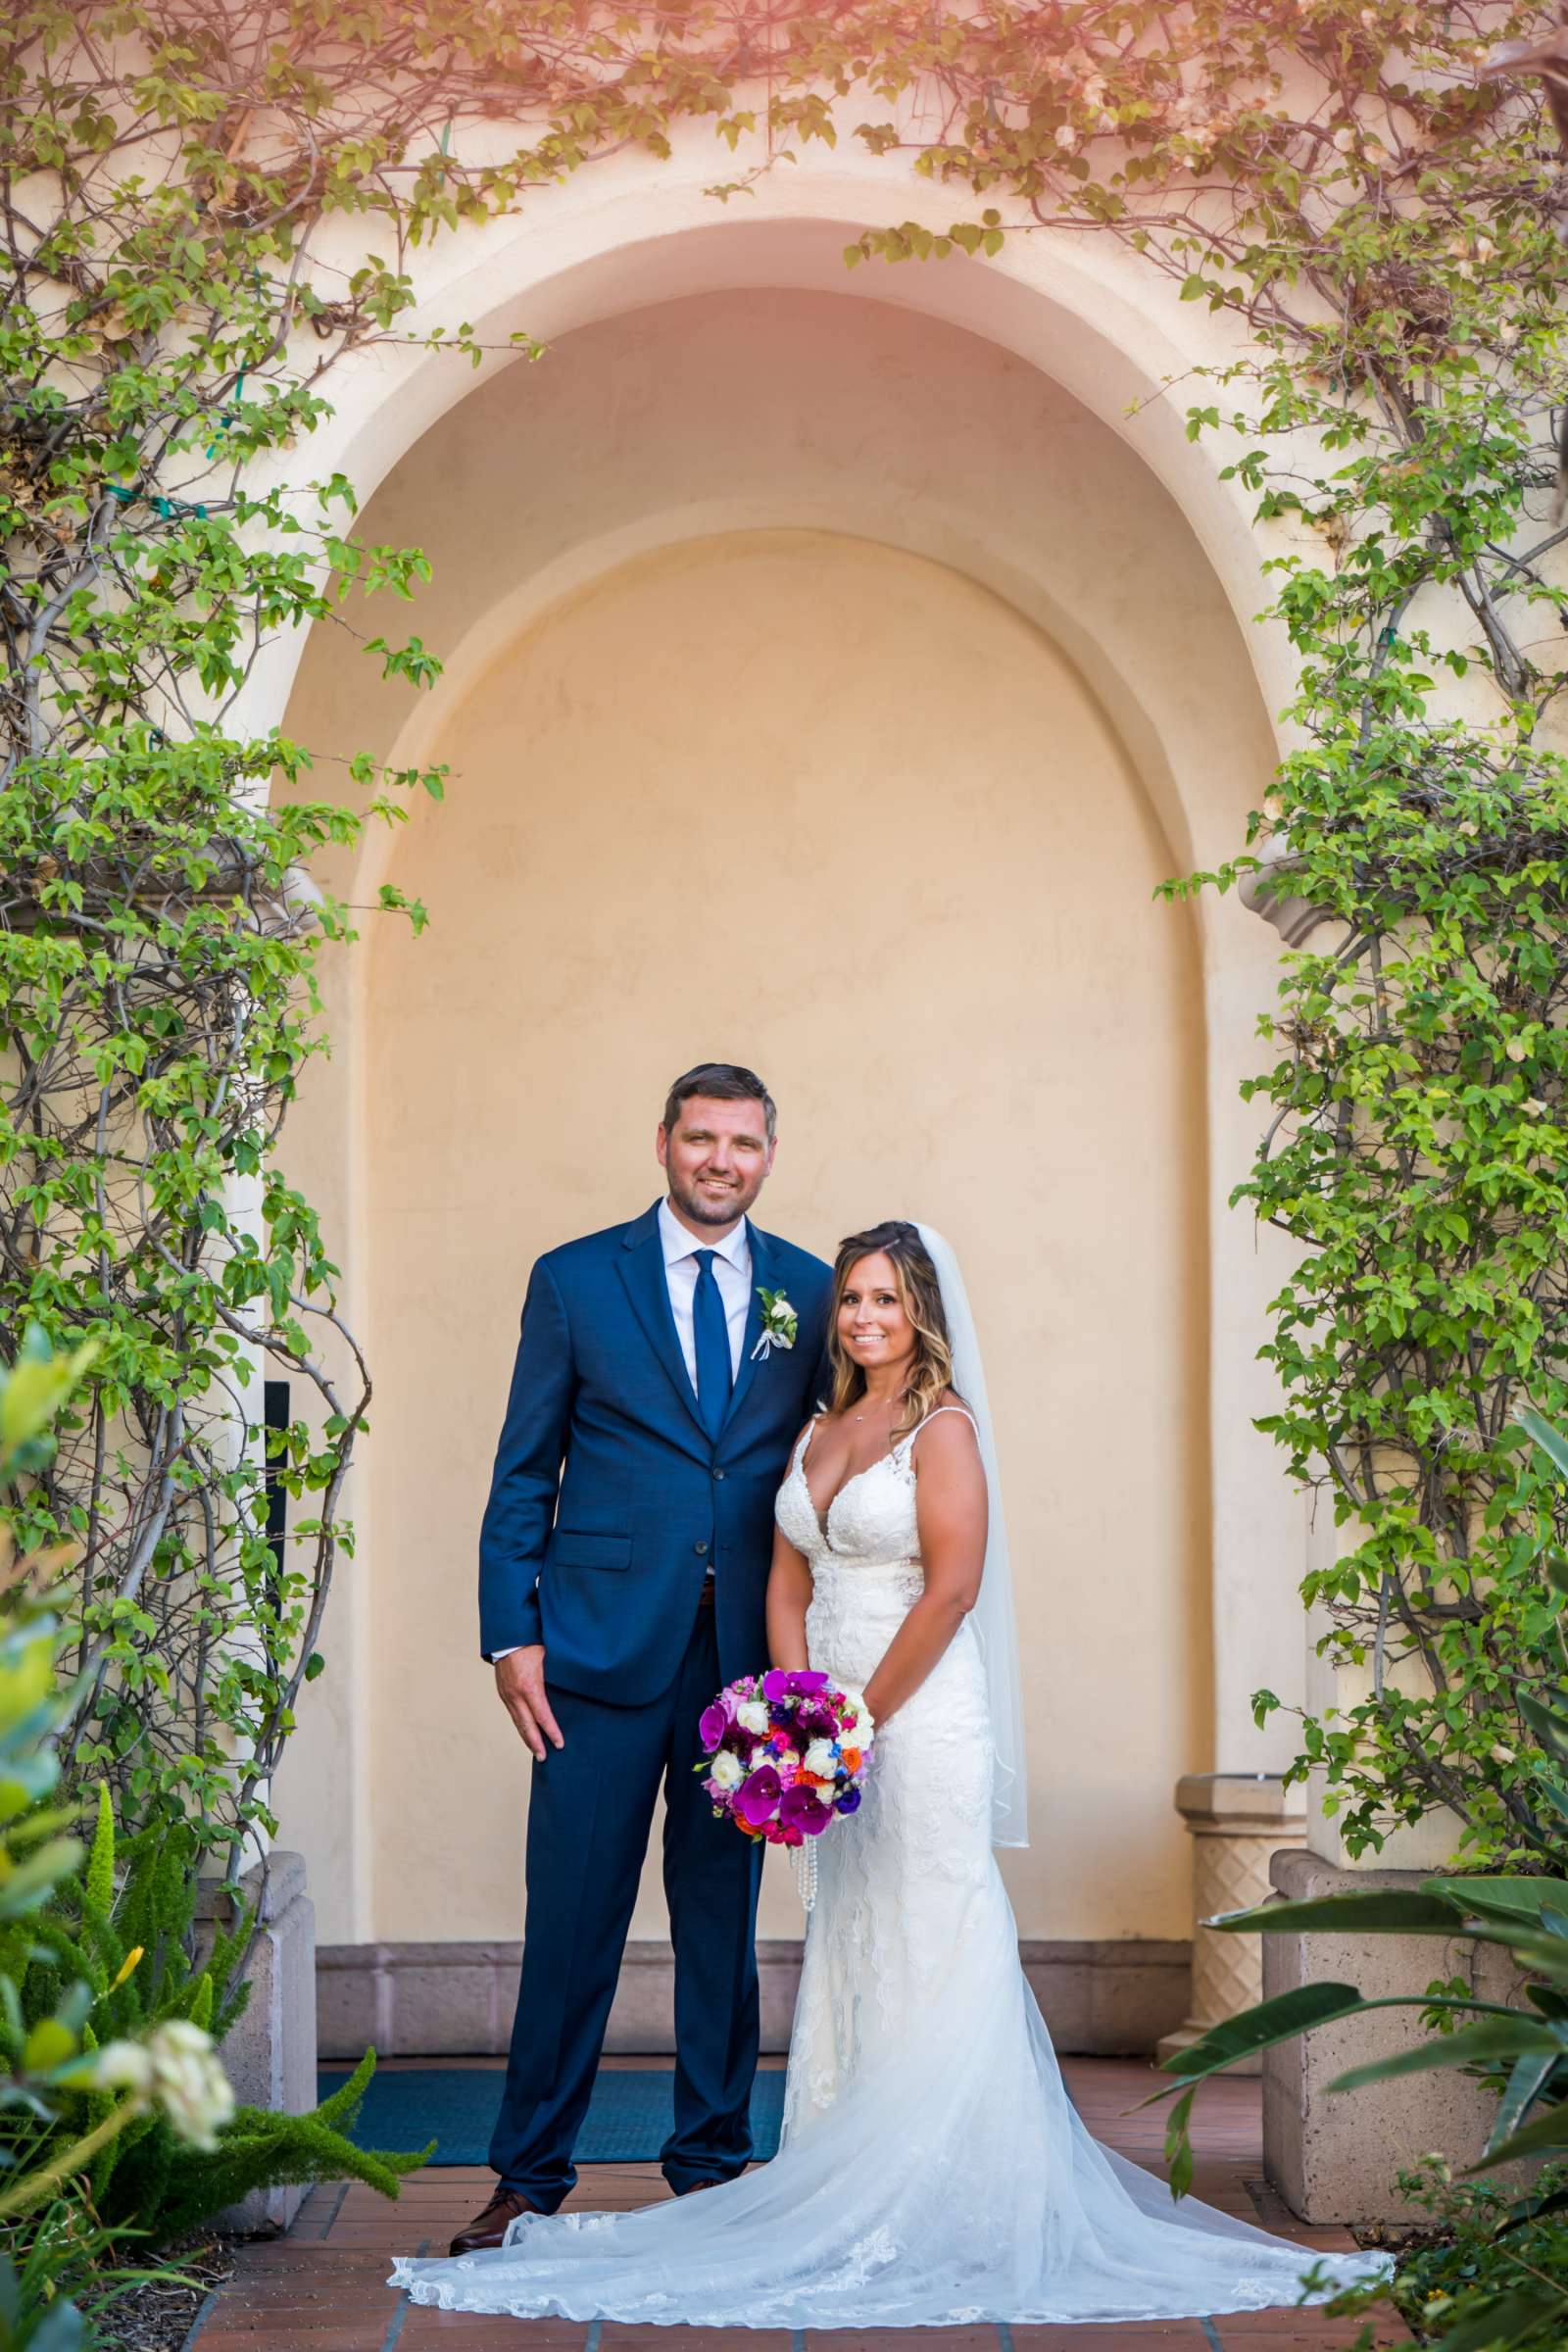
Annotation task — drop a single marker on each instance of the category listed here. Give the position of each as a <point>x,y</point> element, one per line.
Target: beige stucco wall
<point>833,811</point>
<point>858,634</point>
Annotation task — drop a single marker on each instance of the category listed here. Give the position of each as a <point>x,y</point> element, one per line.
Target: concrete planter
<point>1333,2156</point>
<point>270,2053</point>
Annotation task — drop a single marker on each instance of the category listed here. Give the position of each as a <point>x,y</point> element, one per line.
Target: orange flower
<point>850,1759</point>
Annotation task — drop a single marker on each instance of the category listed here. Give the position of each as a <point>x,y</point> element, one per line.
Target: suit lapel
<point>642,1270</point>
<point>763,1276</point>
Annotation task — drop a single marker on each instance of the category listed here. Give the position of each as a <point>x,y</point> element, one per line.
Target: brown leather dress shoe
<point>488,2228</point>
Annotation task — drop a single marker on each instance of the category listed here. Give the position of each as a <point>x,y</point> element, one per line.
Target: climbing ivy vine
<point>1371,199</point>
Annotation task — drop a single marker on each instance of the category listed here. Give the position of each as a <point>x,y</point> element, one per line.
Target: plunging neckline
<point>823,1518</point>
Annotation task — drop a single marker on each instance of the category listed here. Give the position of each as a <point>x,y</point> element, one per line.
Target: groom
<point>623,1564</point>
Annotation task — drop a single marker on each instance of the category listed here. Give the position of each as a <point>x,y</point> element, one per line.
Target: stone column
<point>1237,1820</point>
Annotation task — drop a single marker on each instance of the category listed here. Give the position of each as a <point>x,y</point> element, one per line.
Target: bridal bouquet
<point>785,1753</point>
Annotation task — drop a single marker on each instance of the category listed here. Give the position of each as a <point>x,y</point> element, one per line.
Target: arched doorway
<point>801,590</point>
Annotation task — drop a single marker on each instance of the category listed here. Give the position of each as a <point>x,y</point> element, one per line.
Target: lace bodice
<point>864,1554</point>
<point>872,1520</point>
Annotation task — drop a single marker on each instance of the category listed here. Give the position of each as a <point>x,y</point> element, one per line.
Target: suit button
<point>718,1473</point>
<point>700,1550</point>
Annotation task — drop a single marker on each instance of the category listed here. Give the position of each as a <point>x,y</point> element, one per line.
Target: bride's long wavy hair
<point>920,1297</point>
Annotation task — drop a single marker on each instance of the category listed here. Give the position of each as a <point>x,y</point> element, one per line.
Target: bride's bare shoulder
<point>947,1436</point>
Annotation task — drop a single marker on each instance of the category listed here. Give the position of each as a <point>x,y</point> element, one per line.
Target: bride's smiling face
<point>873,1329</point>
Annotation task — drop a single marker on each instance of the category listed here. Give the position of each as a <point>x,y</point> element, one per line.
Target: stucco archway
<point>942,444</point>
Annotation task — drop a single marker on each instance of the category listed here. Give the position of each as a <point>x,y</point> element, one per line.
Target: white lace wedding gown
<point>932,2170</point>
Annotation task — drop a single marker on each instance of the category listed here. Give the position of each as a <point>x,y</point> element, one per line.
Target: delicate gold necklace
<point>887,1408</point>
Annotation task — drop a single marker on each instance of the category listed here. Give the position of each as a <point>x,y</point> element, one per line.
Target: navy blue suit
<point>608,1505</point>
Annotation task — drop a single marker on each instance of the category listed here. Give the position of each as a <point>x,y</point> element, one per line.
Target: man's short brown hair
<point>720,1082</point>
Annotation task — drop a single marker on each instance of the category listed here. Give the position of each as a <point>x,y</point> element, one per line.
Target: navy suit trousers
<point>589,1815</point>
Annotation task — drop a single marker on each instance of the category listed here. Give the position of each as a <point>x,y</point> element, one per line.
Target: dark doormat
<point>629,2117</point>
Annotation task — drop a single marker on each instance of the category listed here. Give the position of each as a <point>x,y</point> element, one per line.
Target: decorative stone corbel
<point>1295,919</point>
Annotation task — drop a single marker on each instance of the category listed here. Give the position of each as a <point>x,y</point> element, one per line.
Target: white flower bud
<point>123,2065</point>
<point>188,2081</point>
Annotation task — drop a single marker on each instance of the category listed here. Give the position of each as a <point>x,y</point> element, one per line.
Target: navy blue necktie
<point>711,1334</point>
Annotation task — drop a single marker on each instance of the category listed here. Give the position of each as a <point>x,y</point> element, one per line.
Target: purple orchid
<point>779,1684</point>
<point>716,1721</point>
<point>756,1798</point>
<point>803,1809</point>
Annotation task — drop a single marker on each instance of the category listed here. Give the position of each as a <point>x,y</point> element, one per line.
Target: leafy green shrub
<point>1507,2266</point>
<point>109,2108</point>
<point>128,1936</point>
<point>1514,2300</point>
<point>1487,2272</point>
<point>47,2244</point>
<point>126,1930</point>
<point>180,2187</point>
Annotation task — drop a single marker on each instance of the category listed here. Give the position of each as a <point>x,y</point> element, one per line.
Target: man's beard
<point>701,1211</point>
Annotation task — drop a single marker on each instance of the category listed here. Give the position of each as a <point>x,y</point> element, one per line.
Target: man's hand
<point>521,1681</point>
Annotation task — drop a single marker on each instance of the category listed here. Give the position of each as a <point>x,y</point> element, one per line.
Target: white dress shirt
<point>732,1271</point>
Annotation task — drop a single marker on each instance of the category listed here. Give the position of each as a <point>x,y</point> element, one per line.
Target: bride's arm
<point>789,1595</point>
<point>951,1508</point>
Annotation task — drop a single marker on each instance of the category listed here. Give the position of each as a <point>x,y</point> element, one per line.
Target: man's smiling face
<point>717,1157</point>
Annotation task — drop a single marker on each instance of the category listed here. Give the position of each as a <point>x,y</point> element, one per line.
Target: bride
<point>932,2169</point>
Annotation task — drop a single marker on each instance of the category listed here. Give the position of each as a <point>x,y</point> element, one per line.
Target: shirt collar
<point>677,1242</point>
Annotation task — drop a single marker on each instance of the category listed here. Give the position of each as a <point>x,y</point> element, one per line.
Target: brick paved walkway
<point>321,2288</point>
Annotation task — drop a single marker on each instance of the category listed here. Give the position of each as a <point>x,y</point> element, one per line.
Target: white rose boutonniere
<point>780,1323</point>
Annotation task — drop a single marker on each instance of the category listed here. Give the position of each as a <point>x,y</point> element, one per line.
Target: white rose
<point>858,1723</point>
<point>753,1716</point>
<point>820,1759</point>
<point>726,1770</point>
<point>188,2081</point>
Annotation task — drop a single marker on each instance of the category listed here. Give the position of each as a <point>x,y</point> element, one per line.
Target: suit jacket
<point>608,1499</point>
